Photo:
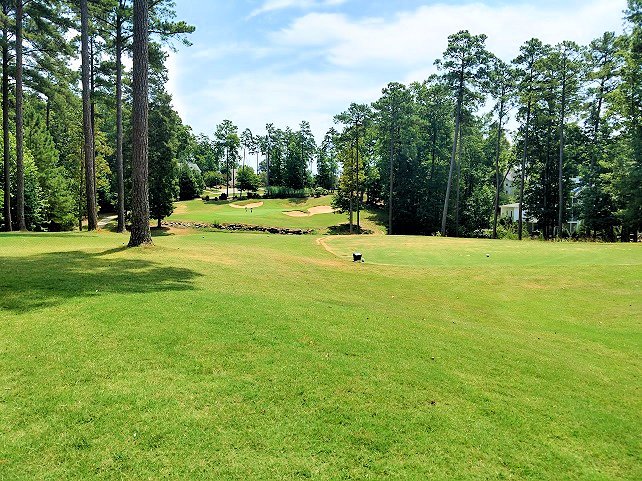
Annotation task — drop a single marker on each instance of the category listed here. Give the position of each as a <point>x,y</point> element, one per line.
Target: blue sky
<point>283,61</point>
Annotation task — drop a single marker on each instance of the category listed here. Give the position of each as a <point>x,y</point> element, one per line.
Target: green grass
<point>242,356</point>
<point>271,214</point>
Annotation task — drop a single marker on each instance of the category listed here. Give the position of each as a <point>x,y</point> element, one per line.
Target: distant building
<point>194,167</point>
<point>511,211</point>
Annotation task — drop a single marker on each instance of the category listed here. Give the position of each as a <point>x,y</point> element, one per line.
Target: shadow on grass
<point>161,232</point>
<point>344,229</point>
<point>44,280</point>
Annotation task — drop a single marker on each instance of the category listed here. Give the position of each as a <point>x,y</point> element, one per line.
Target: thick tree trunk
<point>140,232</point>
<point>20,168</point>
<point>5,119</point>
<point>120,171</point>
<point>444,215</point>
<point>92,220</point>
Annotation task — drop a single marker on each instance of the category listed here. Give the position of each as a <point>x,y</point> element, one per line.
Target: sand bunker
<point>247,206</point>
<point>322,209</point>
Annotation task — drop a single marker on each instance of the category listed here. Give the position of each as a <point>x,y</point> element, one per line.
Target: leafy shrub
<point>279,192</point>
<point>212,179</point>
<point>223,196</point>
<point>190,183</point>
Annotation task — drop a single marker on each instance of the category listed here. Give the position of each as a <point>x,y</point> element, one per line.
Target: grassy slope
<point>144,364</point>
<point>271,214</point>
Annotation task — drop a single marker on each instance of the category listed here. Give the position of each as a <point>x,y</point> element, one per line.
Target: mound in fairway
<point>239,356</point>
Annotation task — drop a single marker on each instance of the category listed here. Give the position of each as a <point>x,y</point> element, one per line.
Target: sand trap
<point>297,213</point>
<point>322,209</point>
<point>247,206</point>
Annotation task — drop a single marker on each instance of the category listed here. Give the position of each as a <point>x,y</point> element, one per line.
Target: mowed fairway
<point>273,213</point>
<point>246,356</point>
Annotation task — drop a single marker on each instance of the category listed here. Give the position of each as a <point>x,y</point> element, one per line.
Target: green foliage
<point>281,192</point>
<point>190,182</point>
<point>213,178</point>
<point>247,180</point>
<point>163,144</point>
<point>58,200</point>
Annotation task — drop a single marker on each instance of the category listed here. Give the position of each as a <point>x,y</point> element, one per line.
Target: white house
<point>511,211</point>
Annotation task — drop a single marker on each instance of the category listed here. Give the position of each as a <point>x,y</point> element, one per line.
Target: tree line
<point>439,158</point>
<point>74,142</point>
<point>555,130</point>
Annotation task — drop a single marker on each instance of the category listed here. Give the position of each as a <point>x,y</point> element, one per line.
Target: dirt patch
<point>322,209</point>
<point>247,206</point>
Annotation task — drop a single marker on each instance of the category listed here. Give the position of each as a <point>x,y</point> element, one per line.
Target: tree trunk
<point>498,154</point>
<point>140,232</point>
<point>20,168</point>
<point>351,212</point>
<point>358,189</point>
<point>267,172</point>
<point>119,124</point>
<point>520,226</point>
<point>92,221</point>
<point>392,160</point>
<point>92,96</point>
<point>444,215</point>
<point>5,119</point>
<point>560,218</point>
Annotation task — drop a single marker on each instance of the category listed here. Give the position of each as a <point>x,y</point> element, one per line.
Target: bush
<point>206,198</point>
<point>212,179</point>
<point>223,196</point>
<point>278,192</point>
<point>320,191</point>
<point>190,183</point>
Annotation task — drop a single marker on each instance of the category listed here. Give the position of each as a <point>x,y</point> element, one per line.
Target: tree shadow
<point>344,229</point>
<point>45,280</point>
<point>161,232</point>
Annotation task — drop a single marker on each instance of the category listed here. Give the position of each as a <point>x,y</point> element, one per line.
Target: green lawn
<point>243,356</point>
<point>271,214</point>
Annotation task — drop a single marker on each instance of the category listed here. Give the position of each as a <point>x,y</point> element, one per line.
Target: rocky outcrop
<point>239,228</point>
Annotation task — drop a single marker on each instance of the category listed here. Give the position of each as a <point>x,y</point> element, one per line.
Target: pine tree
<point>140,232</point>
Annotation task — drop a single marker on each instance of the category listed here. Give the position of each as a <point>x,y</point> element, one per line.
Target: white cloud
<point>417,38</point>
<point>255,98</point>
<point>333,59</point>
<point>272,5</point>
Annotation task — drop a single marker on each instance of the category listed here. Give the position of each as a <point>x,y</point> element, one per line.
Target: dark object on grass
<point>357,257</point>
<point>223,196</point>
